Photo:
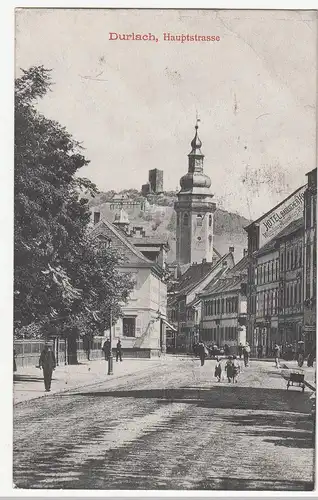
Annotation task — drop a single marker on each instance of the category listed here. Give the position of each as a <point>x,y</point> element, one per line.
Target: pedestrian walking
<point>218,370</point>
<point>201,352</point>
<point>246,354</point>
<point>300,353</point>
<point>236,369</point>
<point>118,351</point>
<point>14,361</point>
<point>106,349</point>
<point>229,368</point>
<point>260,351</point>
<point>240,350</point>
<point>48,364</point>
<point>277,355</point>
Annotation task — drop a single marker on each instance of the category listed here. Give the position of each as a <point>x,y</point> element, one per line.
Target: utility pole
<point>110,357</point>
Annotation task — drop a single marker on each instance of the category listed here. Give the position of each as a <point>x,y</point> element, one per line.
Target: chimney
<point>245,252</point>
<point>231,249</point>
<point>96,217</point>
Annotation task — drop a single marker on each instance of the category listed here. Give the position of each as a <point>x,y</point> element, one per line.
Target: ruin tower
<point>195,210</point>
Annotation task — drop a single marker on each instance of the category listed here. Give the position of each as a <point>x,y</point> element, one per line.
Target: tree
<point>61,279</point>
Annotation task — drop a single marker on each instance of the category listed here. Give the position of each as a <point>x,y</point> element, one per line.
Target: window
<point>296,257</point>
<point>210,242</point>
<point>129,327</point>
<point>287,260</point>
<point>199,220</point>
<point>277,270</point>
<point>300,256</point>
<point>292,259</point>
<point>186,220</point>
<point>210,220</point>
<point>282,262</point>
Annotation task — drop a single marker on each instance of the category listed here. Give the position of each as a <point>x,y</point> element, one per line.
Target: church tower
<point>195,210</point>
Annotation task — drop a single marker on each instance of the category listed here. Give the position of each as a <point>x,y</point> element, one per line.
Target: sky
<point>133,104</point>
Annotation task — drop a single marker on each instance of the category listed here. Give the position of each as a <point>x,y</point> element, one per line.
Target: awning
<point>169,326</point>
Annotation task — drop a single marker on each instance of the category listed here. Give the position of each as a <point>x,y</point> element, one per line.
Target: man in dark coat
<point>201,351</point>
<point>48,363</point>
<point>118,351</point>
<point>106,349</point>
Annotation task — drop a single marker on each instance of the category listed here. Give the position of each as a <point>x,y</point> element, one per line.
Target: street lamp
<point>110,357</point>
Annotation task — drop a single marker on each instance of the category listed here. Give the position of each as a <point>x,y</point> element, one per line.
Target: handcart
<point>297,378</point>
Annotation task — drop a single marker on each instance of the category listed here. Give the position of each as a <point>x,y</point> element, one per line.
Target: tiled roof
<point>231,280</point>
<point>196,273</point>
<point>148,240</point>
<point>291,228</point>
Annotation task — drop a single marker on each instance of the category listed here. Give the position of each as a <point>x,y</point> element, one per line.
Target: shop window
<point>129,327</point>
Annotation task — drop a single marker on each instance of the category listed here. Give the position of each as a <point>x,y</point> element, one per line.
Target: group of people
<point>107,350</point>
<point>232,369</point>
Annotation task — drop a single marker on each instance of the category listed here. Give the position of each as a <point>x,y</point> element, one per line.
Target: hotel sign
<point>274,222</point>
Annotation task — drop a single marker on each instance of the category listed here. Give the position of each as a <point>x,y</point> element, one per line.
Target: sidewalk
<point>28,382</point>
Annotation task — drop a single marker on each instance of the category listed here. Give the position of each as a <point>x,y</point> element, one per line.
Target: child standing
<point>236,368</point>
<point>218,370</point>
<point>229,368</point>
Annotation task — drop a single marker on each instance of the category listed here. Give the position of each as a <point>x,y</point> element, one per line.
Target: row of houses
<point>268,297</point>
<point>281,286</point>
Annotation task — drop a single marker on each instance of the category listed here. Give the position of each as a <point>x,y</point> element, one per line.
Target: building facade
<point>290,298</point>
<point>310,263</point>
<point>274,285</point>
<point>194,210</point>
<point>224,308</point>
<point>142,326</point>
<point>184,299</point>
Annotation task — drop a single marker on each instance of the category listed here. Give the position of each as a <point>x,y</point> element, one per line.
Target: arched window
<point>186,219</point>
<point>210,220</point>
<point>199,220</point>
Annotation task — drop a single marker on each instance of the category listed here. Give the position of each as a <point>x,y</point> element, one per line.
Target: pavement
<point>169,426</point>
<point>28,382</point>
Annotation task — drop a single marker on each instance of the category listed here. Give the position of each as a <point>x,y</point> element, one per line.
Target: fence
<point>28,351</point>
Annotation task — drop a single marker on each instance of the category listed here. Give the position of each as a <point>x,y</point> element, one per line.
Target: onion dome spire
<point>196,143</point>
<point>195,178</point>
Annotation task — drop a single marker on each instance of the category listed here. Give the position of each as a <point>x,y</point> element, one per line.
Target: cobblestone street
<point>171,426</point>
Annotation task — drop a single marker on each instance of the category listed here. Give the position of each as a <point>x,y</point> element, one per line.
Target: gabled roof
<point>230,281</point>
<point>197,273</point>
<point>98,229</point>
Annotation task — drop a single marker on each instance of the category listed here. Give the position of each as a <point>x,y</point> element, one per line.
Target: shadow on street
<point>226,397</point>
